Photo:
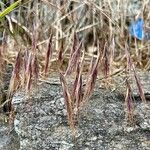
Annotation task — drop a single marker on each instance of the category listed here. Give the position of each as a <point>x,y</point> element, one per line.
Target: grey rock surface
<point>9,140</point>
<point>41,122</point>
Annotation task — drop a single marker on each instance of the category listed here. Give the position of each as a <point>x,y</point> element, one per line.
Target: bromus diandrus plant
<point>68,102</point>
<point>73,98</point>
<point>129,94</point>
<point>91,78</point>
<point>129,106</point>
<point>61,34</point>
<point>130,67</point>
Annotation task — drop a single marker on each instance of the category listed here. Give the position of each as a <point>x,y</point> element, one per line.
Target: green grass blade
<point>9,9</point>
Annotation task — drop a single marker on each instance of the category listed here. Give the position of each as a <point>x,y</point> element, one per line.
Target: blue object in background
<point>136,29</point>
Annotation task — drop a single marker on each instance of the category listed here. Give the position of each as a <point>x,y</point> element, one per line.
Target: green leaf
<point>9,9</point>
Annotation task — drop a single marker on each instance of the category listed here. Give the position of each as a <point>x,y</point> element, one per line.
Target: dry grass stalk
<point>77,86</point>
<point>29,73</point>
<point>15,78</point>
<point>139,85</point>
<point>75,44</point>
<point>1,63</point>
<point>60,54</point>
<point>35,68</point>
<point>130,67</point>
<point>68,102</point>
<point>128,58</point>
<point>112,53</point>
<point>74,59</point>
<point>91,79</point>
<point>25,63</point>
<point>48,55</point>
<point>129,102</point>
<point>106,61</point>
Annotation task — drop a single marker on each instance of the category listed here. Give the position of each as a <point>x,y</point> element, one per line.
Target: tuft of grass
<point>129,69</point>
<point>89,39</point>
<point>68,102</point>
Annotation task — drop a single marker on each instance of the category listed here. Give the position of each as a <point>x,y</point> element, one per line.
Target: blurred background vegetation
<point>91,20</point>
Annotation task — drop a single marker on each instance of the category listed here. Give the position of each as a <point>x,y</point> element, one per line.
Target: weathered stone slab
<point>41,122</point>
<point>8,138</point>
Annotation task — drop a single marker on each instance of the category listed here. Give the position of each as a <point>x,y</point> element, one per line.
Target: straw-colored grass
<point>89,33</point>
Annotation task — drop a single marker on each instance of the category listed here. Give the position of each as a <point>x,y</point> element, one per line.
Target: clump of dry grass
<point>69,30</point>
